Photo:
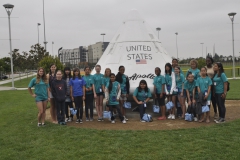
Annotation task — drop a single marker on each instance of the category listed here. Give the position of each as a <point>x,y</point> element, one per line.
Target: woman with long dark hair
<point>141,96</point>
<point>210,73</point>
<point>68,101</point>
<point>220,83</point>
<point>51,77</point>
<point>124,83</point>
<point>41,94</point>
<point>77,92</point>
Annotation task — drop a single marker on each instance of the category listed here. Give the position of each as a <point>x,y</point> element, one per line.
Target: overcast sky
<point>73,23</point>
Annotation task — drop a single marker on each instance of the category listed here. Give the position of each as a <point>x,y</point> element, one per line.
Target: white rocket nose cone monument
<point>137,48</point>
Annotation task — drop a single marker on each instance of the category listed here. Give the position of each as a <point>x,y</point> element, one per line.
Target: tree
<point>47,61</point>
<point>201,62</point>
<point>5,64</point>
<point>36,54</point>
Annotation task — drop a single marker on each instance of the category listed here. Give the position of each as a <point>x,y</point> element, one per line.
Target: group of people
<point>62,89</point>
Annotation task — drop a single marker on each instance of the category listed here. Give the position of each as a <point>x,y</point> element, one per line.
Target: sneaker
<point>99,120</point>
<point>215,120</point>
<point>220,121</point>
<point>215,116</point>
<point>91,119</point>
<point>66,119</point>
<point>124,121</point>
<point>77,121</point>
<point>87,119</point>
<point>102,119</point>
<point>142,121</point>
<point>195,119</point>
<point>70,119</point>
<point>43,124</point>
<point>173,116</point>
<point>161,118</point>
<point>112,121</point>
<point>62,123</point>
<point>125,118</point>
<point>39,124</point>
<point>80,120</point>
<point>170,116</point>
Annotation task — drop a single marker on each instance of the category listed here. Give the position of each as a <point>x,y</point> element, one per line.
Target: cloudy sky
<point>73,23</point>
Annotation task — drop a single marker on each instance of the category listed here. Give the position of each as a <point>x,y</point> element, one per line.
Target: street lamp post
<point>103,34</point>
<point>202,49</point>
<point>231,16</point>
<point>9,8</point>
<point>52,48</point>
<point>158,29</point>
<point>176,44</point>
<point>45,42</point>
<point>38,30</point>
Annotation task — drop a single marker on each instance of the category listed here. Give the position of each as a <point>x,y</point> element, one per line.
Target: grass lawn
<point>23,83</point>
<point>20,138</point>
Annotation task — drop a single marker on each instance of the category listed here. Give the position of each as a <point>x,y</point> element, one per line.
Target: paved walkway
<point>4,88</point>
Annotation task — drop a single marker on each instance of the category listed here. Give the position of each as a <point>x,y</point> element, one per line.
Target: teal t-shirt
<point>158,81</point>
<point>190,86</point>
<point>41,89</point>
<point>142,96</point>
<point>195,73</point>
<point>218,83</point>
<point>123,85</point>
<point>113,94</point>
<point>203,84</point>
<point>168,81</point>
<point>179,81</point>
<point>89,83</point>
<point>105,81</point>
<point>97,80</point>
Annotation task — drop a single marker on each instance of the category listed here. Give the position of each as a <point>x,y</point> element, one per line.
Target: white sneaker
<point>195,119</point>
<point>125,118</point>
<point>173,116</point>
<point>70,119</point>
<point>170,116</point>
<point>142,121</point>
<point>112,121</point>
<point>124,121</point>
<point>66,119</point>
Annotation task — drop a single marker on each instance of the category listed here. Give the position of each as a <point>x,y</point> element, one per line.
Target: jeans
<point>66,108</point>
<point>79,106</point>
<point>60,111</point>
<point>221,105</point>
<point>89,105</point>
<point>141,110</point>
<point>118,110</point>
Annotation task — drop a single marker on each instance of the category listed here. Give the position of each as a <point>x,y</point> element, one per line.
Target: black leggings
<point>213,99</point>
<point>118,110</point>
<point>66,108</point>
<point>60,110</point>
<point>89,105</point>
<point>79,106</point>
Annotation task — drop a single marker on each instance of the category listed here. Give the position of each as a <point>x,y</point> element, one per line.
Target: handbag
<point>156,108</point>
<point>107,114</point>
<point>191,109</point>
<point>147,117</point>
<point>188,117</point>
<point>127,105</point>
<point>73,111</point>
<point>205,109</point>
<point>168,106</point>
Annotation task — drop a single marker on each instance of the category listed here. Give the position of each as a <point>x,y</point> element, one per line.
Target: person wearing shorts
<point>41,94</point>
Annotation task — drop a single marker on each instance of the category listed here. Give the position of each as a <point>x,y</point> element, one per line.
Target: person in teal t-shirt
<point>98,94</point>
<point>159,89</point>
<point>204,86</point>
<point>141,96</point>
<point>220,83</point>
<point>179,78</point>
<point>124,84</point>
<point>113,93</point>
<point>194,70</point>
<point>190,87</point>
<point>89,89</point>
<point>41,94</point>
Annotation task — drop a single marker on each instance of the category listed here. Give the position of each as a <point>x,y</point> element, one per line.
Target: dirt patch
<point>232,107</point>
